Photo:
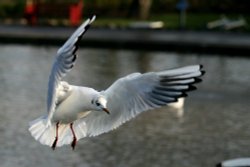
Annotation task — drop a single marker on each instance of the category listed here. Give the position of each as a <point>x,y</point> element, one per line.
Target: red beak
<point>106,110</point>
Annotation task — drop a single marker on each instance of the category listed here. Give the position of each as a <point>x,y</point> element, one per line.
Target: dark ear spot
<point>92,101</point>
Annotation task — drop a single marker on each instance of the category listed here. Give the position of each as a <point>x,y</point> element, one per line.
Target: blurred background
<point>195,15</point>
<point>209,126</point>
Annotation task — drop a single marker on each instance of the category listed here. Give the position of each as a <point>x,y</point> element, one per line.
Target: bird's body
<point>76,105</point>
<point>75,112</point>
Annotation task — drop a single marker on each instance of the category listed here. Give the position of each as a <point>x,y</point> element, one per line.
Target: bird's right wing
<point>135,93</point>
<point>64,62</point>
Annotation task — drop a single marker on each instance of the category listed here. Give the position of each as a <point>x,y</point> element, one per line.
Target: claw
<point>54,144</point>
<point>73,144</point>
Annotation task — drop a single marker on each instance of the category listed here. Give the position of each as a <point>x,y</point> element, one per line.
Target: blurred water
<point>215,124</point>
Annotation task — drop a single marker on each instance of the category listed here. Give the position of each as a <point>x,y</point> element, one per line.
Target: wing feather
<point>64,62</point>
<point>135,93</point>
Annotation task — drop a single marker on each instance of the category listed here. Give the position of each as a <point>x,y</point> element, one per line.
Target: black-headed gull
<point>76,112</point>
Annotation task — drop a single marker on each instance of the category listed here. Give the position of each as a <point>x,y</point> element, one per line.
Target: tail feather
<point>46,134</point>
<point>37,127</point>
<point>64,135</point>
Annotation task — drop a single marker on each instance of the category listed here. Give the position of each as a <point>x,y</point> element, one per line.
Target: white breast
<point>75,106</point>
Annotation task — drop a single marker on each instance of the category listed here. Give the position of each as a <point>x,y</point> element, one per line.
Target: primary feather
<point>135,93</point>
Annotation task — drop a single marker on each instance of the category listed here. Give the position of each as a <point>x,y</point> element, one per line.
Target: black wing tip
<point>74,57</point>
<point>197,80</point>
<point>86,28</point>
<point>219,165</point>
<point>202,70</point>
<point>91,19</point>
<point>91,16</point>
<point>184,94</point>
<point>191,88</point>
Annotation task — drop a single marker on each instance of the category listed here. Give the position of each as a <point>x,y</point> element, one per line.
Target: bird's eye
<point>97,103</point>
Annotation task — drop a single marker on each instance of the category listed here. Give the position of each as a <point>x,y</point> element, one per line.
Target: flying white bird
<point>75,112</point>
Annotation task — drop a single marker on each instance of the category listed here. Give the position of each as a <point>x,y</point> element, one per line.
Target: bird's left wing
<point>64,62</point>
<point>135,93</point>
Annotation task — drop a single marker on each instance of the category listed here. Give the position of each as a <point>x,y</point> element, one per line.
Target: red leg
<point>73,144</point>
<point>56,139</point>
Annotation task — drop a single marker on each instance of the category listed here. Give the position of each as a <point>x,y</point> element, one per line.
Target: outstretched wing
<point>64,62</point>
<point>135,93</point>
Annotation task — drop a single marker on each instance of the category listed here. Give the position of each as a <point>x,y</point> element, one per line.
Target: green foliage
<point>112,8</point>
<point>116,12</point>
<point>196,21</point>
<point>107,7</point>
<point>11,9</point>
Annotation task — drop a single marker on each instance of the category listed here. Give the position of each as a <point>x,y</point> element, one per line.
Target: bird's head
<point>100,104</point>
